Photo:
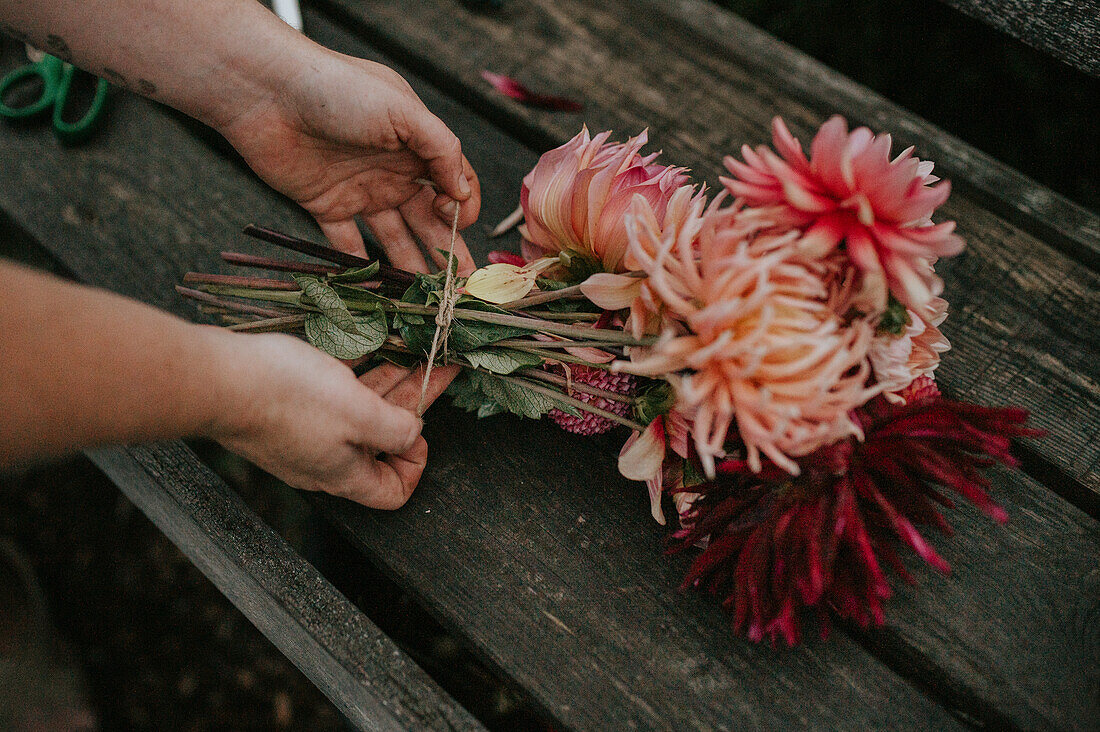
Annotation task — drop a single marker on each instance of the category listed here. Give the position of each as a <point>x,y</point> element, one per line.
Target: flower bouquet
<point>771,351</point>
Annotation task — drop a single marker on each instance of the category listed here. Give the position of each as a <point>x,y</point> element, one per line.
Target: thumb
<point>383,426</point>
<point>437,146</point>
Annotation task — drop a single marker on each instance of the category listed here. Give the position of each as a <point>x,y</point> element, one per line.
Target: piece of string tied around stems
<point>446,314</point>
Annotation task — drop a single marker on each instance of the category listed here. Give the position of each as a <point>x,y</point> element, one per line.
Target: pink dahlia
<point>575,198</point>
<point>749,336</point>
<point>898,359</point>
<point>851,191</point>
<point>593,424</point>
<point>780,546</point>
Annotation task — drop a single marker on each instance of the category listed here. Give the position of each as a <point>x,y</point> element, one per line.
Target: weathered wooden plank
<point>704,82</point>
<point>1034,587</point>
<point>373,683</point>
<point>149,201</point>
<point>509,497</point>
<point>1066,29</point>
<point>534,536</point>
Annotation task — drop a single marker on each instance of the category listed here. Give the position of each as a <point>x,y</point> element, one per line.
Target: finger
<point>385,482</point>
<point>407,467</point>
<point>344,235</point>
<point>384,377</point>
<point>435,234</point>
<point>397,241</point>
<point>471,207</point>
<point>406,393</point>
<point>383,426</point>
<point>434,142</point>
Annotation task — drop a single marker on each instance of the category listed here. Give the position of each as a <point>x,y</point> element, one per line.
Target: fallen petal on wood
<point>509,87</point>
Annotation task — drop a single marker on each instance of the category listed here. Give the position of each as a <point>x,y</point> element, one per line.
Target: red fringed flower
<point>780,545</point>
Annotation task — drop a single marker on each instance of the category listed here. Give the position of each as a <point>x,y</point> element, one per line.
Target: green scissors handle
<point>72,132</point>
<point>57,80</point>
<point>48,70</point>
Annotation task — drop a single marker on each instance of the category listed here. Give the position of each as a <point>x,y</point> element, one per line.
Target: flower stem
<point>561,357</point>
<point>284,324</point>
<point>199,278</point>
<point>328,254</point>
<point>577,332</point>
<point>240,307</point>
<point>549,296</point>
<point>280,265</point>
<point>577,403</point>
<point>573,385</point>
<point>558,344</point>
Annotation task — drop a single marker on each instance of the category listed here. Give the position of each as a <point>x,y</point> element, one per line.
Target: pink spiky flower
<point>849,190</point>
<point>779,547</point>
<point>587,423</point>
<point>577,195</point>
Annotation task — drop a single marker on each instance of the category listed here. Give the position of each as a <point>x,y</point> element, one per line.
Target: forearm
<point>194,56</point>
<point>84,367</point>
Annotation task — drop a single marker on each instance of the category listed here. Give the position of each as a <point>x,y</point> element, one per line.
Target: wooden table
<point>523,540</point>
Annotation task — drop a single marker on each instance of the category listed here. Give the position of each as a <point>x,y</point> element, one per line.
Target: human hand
<point>304,417</point>
<point>346,137</point>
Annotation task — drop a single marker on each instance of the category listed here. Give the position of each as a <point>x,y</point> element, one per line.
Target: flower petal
<point>612,291</point>
<point>643,454</point>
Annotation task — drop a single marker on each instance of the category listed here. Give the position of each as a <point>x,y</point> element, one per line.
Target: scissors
<point>57,83</point>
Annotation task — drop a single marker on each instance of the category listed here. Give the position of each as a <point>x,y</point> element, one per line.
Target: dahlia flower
<point>898,359</point>
<point>850,191</point>
<point>748,336</point>
<point>575,198</point>
<point>780,546</point>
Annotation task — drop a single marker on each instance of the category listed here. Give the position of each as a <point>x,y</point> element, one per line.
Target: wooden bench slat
<point>704,82</point>
<point>373,683</point>
<point>1034,580</point>
<point>145,209</point>
<point>149,201</point>
<point>1066,29</point>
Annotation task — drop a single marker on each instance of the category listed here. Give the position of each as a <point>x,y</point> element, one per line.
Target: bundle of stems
<point>264,304</point>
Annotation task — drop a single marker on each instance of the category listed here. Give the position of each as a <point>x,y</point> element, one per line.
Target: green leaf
<point>515,398</point>
<point>315,292</point>
<point>358,299</point>
<point>486,394</point>
<point>369,334</point>
<point>356,274</point>
<point>895,319</point>
<point>466,393</point>
<point>501,360</point>
<point>468,335</point>
<point>489,409</point>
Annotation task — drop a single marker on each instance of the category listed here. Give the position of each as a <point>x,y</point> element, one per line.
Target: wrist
<point>255,76</point>
<point>229,401</point>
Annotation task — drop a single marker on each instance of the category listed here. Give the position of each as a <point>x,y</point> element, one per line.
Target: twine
<point>444,317</point>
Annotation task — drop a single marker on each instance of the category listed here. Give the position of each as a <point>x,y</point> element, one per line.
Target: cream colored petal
<point>612,291</point>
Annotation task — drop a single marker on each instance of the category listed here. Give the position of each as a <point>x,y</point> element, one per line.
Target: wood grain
<point>373,683</point>
<point>704,82</point>
<point>526,542</point>
<point>1066,29</point>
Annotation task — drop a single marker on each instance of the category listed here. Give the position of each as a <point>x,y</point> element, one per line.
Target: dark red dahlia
<point>781,545</point>
<point>592,424</point>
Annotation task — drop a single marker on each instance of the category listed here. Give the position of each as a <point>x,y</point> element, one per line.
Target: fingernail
<point>463,185</point>
<point>449,208</point>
